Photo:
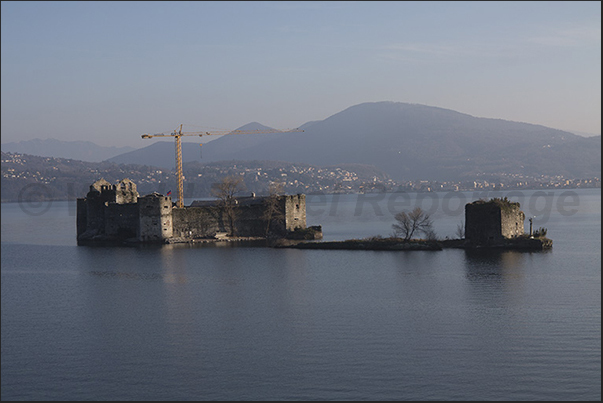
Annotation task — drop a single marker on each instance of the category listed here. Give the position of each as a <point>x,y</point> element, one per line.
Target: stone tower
<point>125,192</point>
<point>107,210</point>
<point>295,211</point>
<point>490,222</point>
<point>155,215</point>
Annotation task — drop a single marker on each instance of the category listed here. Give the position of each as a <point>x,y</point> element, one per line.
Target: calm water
<point>248,323</point>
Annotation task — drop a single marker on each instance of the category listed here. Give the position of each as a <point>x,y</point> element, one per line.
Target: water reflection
<point>483,264</point>
<point>173,265</point>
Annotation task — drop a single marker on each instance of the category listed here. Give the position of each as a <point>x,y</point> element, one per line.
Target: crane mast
<point>178,134</point>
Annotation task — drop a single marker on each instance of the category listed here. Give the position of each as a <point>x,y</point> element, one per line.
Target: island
<point>117,214</point>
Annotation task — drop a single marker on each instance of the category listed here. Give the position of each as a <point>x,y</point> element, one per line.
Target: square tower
<point>490,222</point>
<point>155,215</point>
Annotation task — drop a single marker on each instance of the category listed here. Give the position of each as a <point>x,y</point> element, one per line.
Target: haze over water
<point>224,322</point>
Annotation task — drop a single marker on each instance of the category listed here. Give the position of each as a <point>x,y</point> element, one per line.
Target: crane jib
<point>180,133</point>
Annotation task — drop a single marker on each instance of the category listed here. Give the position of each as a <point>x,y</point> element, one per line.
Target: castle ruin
<point>491,222</point>
<point>116,213</point>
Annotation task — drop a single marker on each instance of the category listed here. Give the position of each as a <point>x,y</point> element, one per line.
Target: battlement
<point>122,192</point>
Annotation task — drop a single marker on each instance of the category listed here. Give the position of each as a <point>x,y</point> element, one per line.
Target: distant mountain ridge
<point>161,153</point>
<point>77,150</point>
<point>407,141</point>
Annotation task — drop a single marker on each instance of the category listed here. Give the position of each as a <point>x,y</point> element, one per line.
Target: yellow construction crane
<point>178,133</point>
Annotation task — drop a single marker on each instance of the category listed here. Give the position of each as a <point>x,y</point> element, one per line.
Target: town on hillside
<point>65,179</point>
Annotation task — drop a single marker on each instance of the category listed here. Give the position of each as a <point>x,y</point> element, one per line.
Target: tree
<point>225,192</point>
<point>273,214</point>
<point>540,232</point>
<point>417,221</point>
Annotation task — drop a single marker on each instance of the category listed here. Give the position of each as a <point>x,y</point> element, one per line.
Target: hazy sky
<point>108,72</point>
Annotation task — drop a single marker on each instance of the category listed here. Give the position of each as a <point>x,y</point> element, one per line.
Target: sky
<point>108,72</point>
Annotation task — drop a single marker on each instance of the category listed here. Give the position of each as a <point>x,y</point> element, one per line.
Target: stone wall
<point>155,212</point>
<point>295,211</point>
<point>203,222</point>
<point>196,222</point>
<point>512,223</point>
<point>95,216</point>
<point>206,218</point>
<point>251,221</point>
<point>493,221</point>
<point>82,217</point>
<point>117,213</point>
<point>121,220</point>
<point>125,192</point>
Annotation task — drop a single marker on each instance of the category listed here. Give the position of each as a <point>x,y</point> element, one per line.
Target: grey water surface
<point>241,322</point>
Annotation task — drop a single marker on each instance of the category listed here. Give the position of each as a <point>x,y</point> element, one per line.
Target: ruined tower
<point>155,214</point>
<point>108,210</point>
<point>490,222</point>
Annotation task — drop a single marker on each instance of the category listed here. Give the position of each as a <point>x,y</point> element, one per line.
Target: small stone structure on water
<point>116,213</point>
<point>489,222</point>
<point>499,223</point>
<point>493,224</point>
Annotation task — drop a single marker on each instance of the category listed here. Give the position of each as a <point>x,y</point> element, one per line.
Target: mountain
<point>407,141</point>
<point>585,134</point>
<point>77,150</point>
<point>161,153</point>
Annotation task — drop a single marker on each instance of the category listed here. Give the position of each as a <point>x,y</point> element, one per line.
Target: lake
<point>240,322</point>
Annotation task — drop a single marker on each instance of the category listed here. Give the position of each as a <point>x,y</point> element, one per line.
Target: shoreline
<point>378,244</point>
<point>393,244</point>
<point>50,200</point>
